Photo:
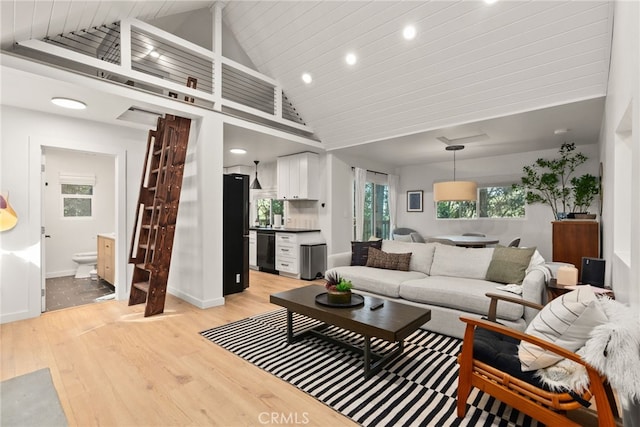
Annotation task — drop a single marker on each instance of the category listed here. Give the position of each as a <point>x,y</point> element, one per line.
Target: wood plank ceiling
<point>469,61</point>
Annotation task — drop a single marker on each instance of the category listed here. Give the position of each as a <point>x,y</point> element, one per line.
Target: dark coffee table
<point>393,322</point>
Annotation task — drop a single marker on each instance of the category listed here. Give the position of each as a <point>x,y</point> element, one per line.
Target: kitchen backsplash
<point>301,214</point>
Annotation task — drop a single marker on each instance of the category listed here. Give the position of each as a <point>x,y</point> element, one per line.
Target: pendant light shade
<point>455,191</point>
<point>458,191</point>
<point>255,185</point>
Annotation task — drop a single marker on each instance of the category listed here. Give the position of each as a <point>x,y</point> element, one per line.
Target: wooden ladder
<point>152,239</point>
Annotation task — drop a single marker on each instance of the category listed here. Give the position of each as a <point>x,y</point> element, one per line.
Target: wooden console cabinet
<point>107,258</point>
<point>574,239</point>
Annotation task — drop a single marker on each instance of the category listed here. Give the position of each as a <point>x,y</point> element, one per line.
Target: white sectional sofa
<point>447,279</point>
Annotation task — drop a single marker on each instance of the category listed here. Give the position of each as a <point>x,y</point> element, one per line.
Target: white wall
<point>340,185</point>
<point>196,263</point>
<point>620,152</point>
<point>534,230</point>
<point>24,134</point>
<point>71,235</point>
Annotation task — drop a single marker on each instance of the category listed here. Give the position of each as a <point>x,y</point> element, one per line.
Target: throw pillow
<point>403,237</point>
<point>509,265</point>
<point>421,253</point>
<point>566,321</point>
<point>389,261</point>
<point>455,261</point>
<point>360,251</point>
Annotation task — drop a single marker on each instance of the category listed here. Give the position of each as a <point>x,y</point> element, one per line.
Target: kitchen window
<point>266,209</point>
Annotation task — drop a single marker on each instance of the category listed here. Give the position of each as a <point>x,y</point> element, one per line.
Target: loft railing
<point>140,55</point>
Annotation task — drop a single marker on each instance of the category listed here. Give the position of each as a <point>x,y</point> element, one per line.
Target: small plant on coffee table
<point>335,283</point>
<point>338,289</point>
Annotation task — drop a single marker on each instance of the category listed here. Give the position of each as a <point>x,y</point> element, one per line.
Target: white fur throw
<point>613,349</point>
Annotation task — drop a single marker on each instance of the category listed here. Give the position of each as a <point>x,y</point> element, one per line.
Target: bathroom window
<point>77,195</point>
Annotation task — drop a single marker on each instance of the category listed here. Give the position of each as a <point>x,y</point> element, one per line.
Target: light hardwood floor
<point>113,367</point>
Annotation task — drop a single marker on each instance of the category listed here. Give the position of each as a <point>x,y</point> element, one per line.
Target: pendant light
<point>458,191</point>
<point>255,185</point>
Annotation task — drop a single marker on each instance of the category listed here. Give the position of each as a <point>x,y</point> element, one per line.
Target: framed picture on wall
<point>414,201</point>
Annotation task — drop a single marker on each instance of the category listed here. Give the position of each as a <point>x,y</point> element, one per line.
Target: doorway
<point>78,199</point>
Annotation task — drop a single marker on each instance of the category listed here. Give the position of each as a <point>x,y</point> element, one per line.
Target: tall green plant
<point>584,190</point>
<point>547,181</point>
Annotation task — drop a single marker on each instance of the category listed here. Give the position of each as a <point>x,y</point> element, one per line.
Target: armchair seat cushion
<point>501,352</point>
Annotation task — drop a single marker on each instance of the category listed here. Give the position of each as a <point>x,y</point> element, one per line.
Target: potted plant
<point>551,182</point>
<point>338,289</point>
<point>584,190</point>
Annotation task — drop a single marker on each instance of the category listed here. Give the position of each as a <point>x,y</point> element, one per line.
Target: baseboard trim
<point>56,274</point>
<point>195,301</point>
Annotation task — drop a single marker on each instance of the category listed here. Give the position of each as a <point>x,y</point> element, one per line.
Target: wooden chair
<point>545,406</point>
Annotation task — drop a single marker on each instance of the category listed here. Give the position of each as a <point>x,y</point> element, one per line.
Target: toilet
<point>86,262</point>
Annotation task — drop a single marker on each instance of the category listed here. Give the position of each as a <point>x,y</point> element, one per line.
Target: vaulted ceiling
<point>470,67</point>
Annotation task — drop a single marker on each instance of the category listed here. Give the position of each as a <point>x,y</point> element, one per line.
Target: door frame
<point>37,146</point>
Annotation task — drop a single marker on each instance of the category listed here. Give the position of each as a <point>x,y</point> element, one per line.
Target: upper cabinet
<point>298,177</point>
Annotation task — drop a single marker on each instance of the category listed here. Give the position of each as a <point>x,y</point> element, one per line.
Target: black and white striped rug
<point>417,389</point>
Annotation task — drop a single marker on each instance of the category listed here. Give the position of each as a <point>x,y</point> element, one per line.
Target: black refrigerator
<point>235,233</point>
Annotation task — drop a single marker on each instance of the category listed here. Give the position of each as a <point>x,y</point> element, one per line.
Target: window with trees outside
<point>266,209</point>
<point>77,200</point>
<point>376,211</point>
<point>493,202</point>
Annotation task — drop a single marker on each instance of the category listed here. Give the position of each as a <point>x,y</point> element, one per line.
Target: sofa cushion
<point>455,261</point>
<point>508,265</point>
<point>378,281</point>
<point>360,251</point>
<point>566,321</point>
<point>388,261</point>
<point>459,293</point>
<point>421,253</point>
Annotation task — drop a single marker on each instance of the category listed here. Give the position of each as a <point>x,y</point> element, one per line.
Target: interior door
<point>43,236</point>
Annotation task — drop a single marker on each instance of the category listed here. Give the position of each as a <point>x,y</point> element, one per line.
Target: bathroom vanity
<point>107,258</point>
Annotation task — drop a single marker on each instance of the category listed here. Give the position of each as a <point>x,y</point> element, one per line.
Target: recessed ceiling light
<point>154,54</point>
<point>490,1</point>
<point>306,77</point>
<point>69,103</point>
<point>238,151</point>
<point>351,58</point>
<point>560,131</point>
<point>409,32</point>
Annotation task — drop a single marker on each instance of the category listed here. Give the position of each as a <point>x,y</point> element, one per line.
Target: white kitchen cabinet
<point>253,250</point>
<point>298,177</point>
<point>288,251</point>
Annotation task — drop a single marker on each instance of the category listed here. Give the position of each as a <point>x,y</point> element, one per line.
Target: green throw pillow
<point>508,265</point>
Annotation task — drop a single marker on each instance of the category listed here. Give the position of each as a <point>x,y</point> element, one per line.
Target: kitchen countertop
<point>284,230</point>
